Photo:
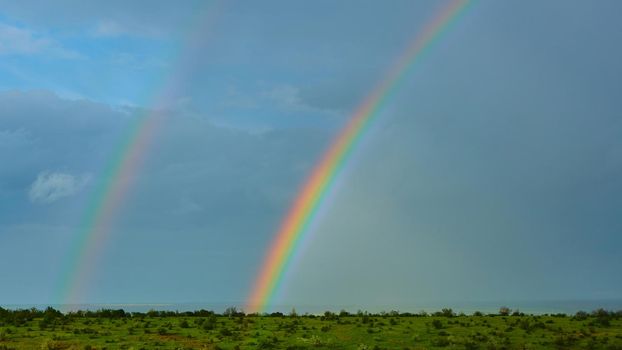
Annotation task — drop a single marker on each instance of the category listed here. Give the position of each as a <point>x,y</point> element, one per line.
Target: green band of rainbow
<point>303,211</point>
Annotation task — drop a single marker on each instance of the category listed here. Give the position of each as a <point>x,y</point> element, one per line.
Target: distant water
<point>529,307</point>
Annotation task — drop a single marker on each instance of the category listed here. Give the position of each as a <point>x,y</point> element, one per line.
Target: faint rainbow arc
<point>124,166</point>
<point>315,189</point>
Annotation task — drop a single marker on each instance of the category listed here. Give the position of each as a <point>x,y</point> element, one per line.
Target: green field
<point>116,329</point>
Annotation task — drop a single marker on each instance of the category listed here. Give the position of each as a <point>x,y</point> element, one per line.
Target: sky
<point>493,173</point>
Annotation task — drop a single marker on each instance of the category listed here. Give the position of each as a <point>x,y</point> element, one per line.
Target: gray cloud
<point>202,188</point>
<point>495,166</point>
<point>49,187</point>
<point>111,18</point>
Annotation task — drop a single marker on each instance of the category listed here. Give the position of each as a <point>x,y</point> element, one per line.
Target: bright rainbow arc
<point>124,167</point>
<point>303,211</point>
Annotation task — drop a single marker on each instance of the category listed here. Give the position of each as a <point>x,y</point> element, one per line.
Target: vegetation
<point>117,329</point>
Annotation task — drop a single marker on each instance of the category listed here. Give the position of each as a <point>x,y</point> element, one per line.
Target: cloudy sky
<point>494,172</point>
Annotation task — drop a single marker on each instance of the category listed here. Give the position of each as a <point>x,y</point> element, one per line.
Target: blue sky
<point>494,173</point>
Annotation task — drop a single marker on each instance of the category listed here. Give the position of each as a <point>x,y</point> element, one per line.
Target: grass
<point>204,330</point>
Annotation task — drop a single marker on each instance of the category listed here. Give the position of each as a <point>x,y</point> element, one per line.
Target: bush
<point>54,345</point>
<point>471,345</point>
<point>266,343</point>
<point>441,342</point>
<point>225,332</point>
<point>365,319</point>
<point>602,317</point>
<point>445,313</point>
<point>437,324</point>
<point>210,323</point>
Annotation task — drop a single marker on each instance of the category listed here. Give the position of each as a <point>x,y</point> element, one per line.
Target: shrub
<point>441,342</point>
<point>225,332</point>
<point>471,345</point>
<point>54,345</point>
<point>210,323</point>
<point>602,317</point>
<point>437,324</point>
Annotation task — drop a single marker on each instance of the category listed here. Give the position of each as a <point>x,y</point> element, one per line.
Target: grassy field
<point>115,329</point>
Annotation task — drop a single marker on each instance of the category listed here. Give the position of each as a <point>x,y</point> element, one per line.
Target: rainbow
<point>315,190</point>
<point>104,206</point>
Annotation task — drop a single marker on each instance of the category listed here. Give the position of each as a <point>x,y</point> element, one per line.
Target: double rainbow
<point>311,196</point>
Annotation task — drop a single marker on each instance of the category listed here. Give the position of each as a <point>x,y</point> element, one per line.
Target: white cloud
<point>188,206</point>
<point>287,98</point>
<point>49,187</point>
<point>19,41</point>
<point>108,28</point>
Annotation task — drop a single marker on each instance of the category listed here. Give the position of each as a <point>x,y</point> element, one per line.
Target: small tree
<point>447,312</point>
<point>581,315</point>
<point>504,311</point>
<point>231,311</point>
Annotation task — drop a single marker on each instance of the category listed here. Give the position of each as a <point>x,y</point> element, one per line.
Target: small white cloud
<point>49,187</point>
<point>108,28</point>
<point>14,40</point>
<point>19,41</point>
<point>288,98</point>
<point>188,206</point>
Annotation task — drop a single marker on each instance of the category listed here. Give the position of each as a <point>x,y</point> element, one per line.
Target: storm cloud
<point>493,171</point>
